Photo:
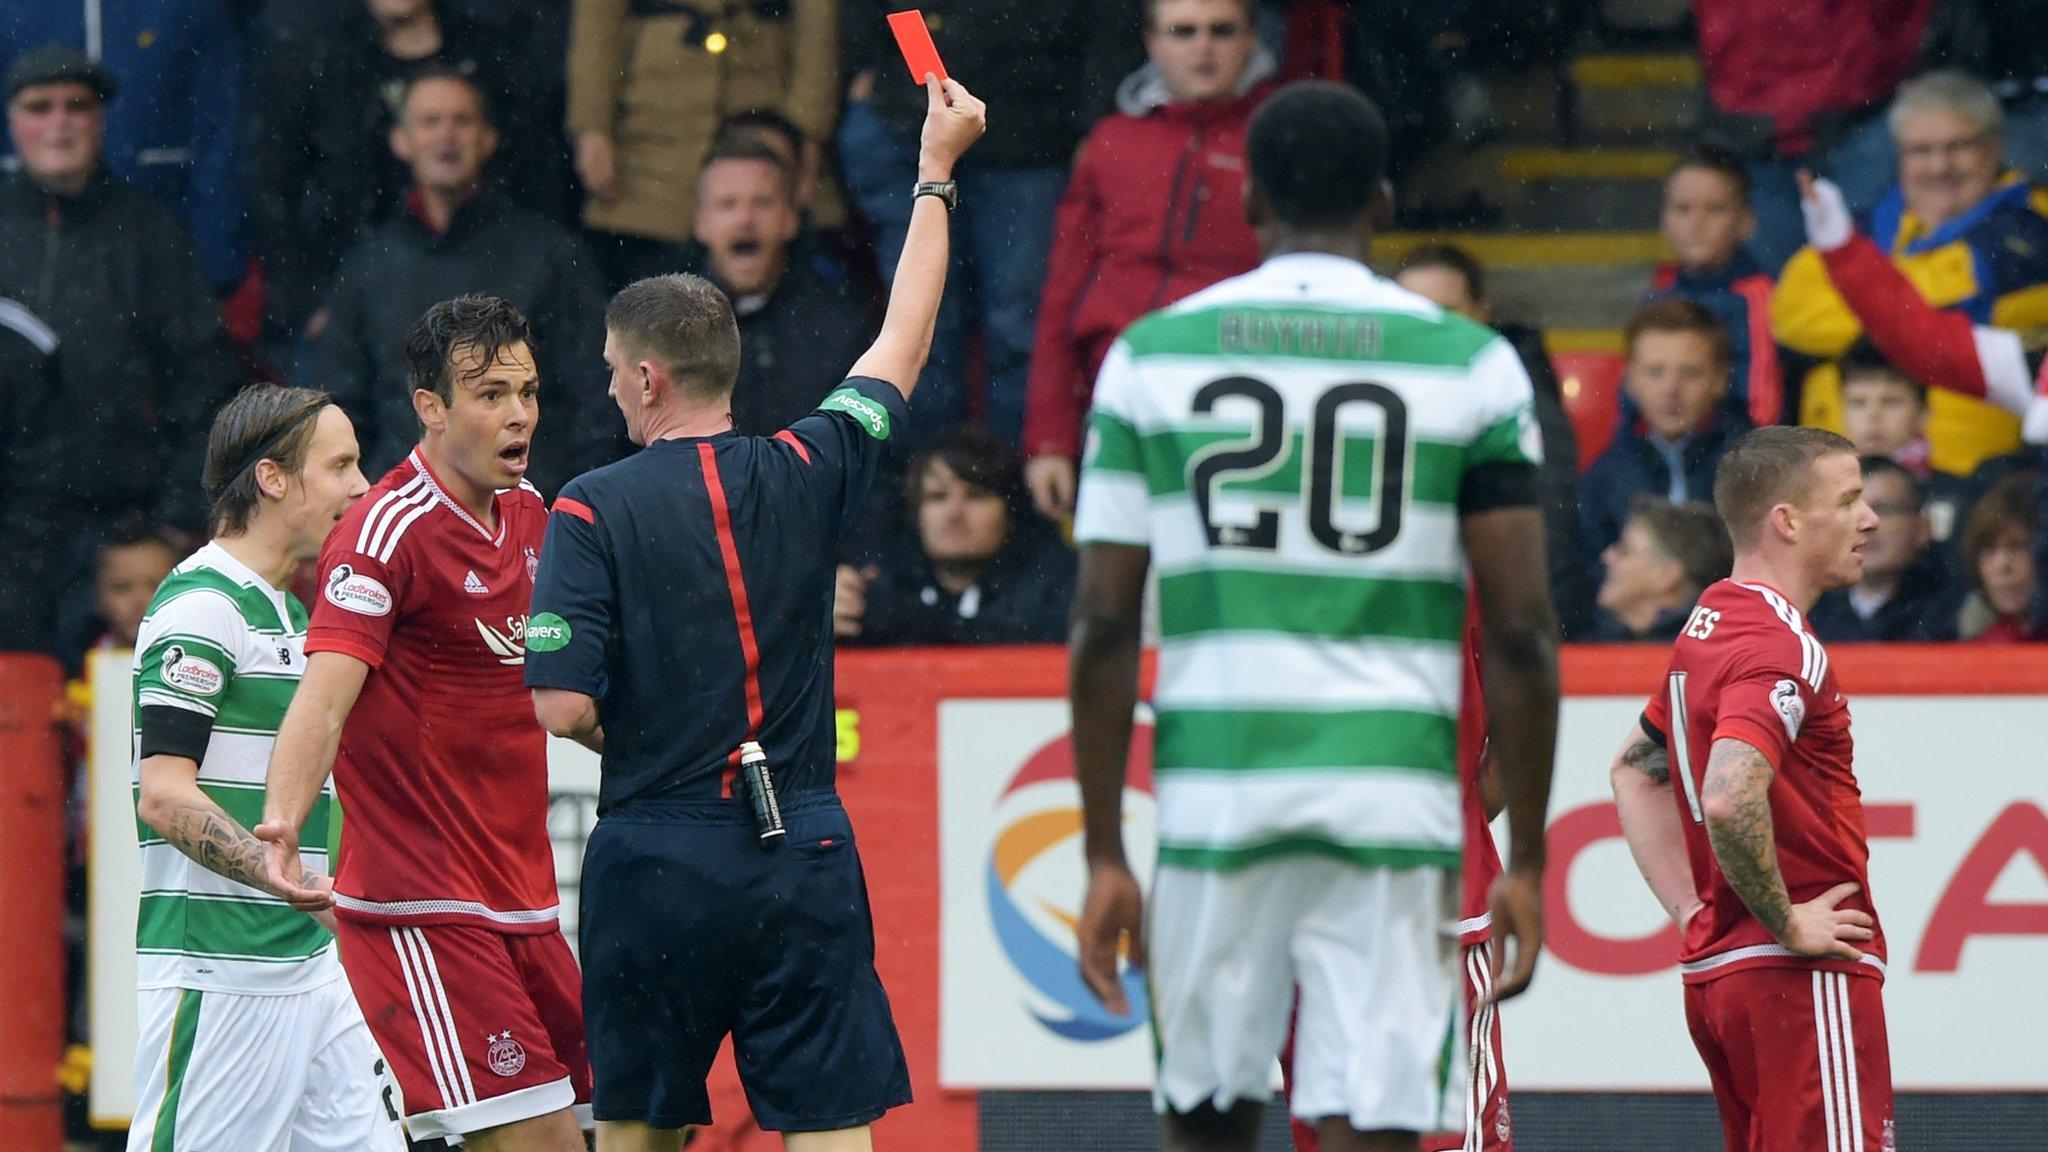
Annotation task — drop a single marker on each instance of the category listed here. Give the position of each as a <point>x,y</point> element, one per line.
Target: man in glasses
<point>1968,232</point>
<point>1154,212</point>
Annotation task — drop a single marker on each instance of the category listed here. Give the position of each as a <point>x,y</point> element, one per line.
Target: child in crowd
<point>1884,413</point>
<point>1707,220</point>
<point>1677,425</point>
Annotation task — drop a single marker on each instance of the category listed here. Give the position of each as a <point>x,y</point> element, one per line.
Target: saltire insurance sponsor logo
<point>1033,900</point>
<point>508,646</point>
<point>872,416</point>
<point>188,673</point>
<point>547,632</point>
<point>350,589</point>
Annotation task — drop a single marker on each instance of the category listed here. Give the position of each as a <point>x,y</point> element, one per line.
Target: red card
<point>916,42</point>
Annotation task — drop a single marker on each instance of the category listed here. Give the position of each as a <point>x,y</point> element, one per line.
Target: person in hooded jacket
<point>1154,212</point>
<point>978,565</point>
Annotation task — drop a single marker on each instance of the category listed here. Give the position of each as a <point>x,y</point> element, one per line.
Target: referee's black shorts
<point>690,930</point>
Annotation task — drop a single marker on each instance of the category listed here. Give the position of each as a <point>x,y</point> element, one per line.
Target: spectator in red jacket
<point>1154,212</point>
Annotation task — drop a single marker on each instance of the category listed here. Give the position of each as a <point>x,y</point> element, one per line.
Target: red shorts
<point>481,1028</point>
<point>1485,1080</point>
<point>1798,1058</point>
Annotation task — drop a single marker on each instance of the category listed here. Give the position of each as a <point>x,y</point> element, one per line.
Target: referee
<point>682,627</point>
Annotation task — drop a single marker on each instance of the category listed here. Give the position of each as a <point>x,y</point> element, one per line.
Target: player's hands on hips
<point>953,120</point>
<point>1818,928</point>
<point>1517,905</point>
<point>282,869</point>
<point>1051,480</point>
<point>1112,917</point>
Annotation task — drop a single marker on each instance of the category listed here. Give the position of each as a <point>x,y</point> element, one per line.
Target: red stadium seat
<point>1591,384</point>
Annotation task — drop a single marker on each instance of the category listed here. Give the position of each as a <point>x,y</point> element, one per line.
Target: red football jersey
<point>1746,668</point>
<point>1482,859</point>
<point>442,771</point>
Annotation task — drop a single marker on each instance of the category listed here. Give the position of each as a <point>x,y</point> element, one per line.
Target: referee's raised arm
<point>953,120</point>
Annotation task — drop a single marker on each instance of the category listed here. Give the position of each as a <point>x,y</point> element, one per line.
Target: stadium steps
<point>1567,193</point>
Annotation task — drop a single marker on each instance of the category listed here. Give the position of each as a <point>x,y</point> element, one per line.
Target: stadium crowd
<point>206,192</point>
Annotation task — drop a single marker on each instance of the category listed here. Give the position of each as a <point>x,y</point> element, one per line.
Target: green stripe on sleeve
<point>1508,441</point>
<point>1247,740</point>
<point>1338,607</point>
<point>184,1030</point>
<point>1113,444</point>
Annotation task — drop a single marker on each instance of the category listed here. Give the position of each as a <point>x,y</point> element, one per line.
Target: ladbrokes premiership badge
<point>506,1056</point>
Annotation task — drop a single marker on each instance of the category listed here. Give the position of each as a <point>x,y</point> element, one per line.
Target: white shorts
<point>221,1072</point>
<point>1374,953</point>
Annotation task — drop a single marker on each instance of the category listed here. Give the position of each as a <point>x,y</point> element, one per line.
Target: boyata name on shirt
<point>1331,336</point>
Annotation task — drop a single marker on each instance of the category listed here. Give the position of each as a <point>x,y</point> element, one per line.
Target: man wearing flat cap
<point>144,359</point>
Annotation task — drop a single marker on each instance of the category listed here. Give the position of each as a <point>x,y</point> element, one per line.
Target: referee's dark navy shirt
<point>688,588</point>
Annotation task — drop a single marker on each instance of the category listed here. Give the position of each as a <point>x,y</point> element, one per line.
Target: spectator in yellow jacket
<point>1969,234</point>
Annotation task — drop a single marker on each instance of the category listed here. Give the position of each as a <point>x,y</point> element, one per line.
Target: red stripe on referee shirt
<point>576,508</point>
<point>735,582</point>
<point>789,438</point>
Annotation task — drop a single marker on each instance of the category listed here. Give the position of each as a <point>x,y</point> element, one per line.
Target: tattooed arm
<point>173,804</point>
<point>1641,778</point>
<point>1735,802</point>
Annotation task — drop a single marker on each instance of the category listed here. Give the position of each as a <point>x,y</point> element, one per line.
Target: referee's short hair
<point>685,324</point>
<point>1318,154</point>
<point>263,422</point>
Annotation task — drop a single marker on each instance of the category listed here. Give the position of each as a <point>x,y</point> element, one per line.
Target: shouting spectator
<point>321,167</point>
<point>458,236</point>
<point>800,325</point>
<point>1971,236</point>
<point>1905,590</point>
<point>174,131</point>
<point>1453,278</point>
<point>1707,218</point>
<point>1051,66</point>
<point>1666,556</point>
<point>1169,164</point>
<point>1998,548</point>
<point>981,567</point>
<point>144,358</point>
<point>1677,376</point>
<point>649,82</point>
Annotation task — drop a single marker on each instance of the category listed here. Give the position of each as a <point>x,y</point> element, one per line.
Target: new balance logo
<point>474,586</point>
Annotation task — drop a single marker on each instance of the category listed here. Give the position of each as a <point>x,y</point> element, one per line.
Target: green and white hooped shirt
<point>220,641</point>
<point>1293,446</point>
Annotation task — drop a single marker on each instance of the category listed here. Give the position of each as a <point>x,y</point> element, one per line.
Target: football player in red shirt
<point>414,696</point>
<point>1739,803</point>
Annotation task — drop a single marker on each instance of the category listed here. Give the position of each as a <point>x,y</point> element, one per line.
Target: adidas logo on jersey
<point>474,586</point>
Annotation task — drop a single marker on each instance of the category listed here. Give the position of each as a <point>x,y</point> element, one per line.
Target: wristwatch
<point>947,191</point>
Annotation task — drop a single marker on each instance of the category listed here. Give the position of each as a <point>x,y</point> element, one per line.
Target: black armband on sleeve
<point>1493,486</point>
<point>1650,730</point>
<point>168,731</point>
